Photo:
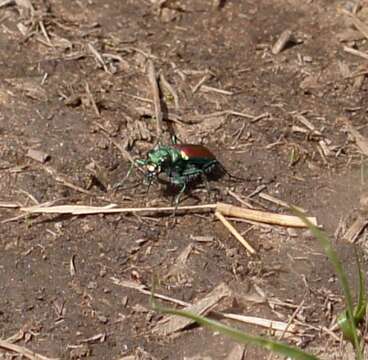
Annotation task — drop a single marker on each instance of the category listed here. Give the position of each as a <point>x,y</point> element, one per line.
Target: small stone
<point>102,318</point>
<point>92,285</point>
<point>231,252</point>
<point>38,155</point>
<point>73,101</point>
<point>140,309</point>
<point>292,232</point>
<point>80,352</point>
<point>307,235</point>
<point>168,15</point>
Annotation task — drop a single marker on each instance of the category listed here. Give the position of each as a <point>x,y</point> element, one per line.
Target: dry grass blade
<point>92,100</point>
<point>355,52</point>
<point>360,25</point>
<point>235,232</point>
<point>152,77</point>
<point>68,184</point>
<point>253,320</point>
<point>224,209</point>
<point>201,82</point>
<point>279,202</point>
<point>123,152</point>
<point>22,351</point>
<point>262,216</point>
<point>266,323</point>
<point>98,57</point>
<point>144,290</point>
<point>89,210</point>
<point>206,88</point>
<point>9,205</point>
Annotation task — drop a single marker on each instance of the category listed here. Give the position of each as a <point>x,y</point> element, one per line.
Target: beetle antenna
<point>149,185</point>
<point>236,178</point>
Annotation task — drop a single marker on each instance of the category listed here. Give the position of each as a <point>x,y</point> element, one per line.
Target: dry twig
<point>98,57</point>
<point>224,209</point>
<point>356,52</point>
<point>172,324</point>
<point>152,76</point>
<point>9,205</point>
<point>109,209</point>
<point>170,89</point>
<point>279,202</point>
<point>92,100</point>
<point>206,88</point>
<point>284,39</point>
<point>235,232</point>
<point>266,323</point>
<point>262,216</point>
<point>22,351</point>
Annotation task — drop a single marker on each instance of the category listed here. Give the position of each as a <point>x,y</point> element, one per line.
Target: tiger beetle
<point>182,164</point>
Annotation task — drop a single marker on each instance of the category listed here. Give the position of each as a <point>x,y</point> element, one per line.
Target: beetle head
<point>156,162</point>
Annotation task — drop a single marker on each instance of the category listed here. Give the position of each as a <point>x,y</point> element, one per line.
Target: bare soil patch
<point>74,86</point>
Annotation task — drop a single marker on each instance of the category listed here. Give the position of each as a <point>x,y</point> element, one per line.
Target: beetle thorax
<point>163,155</point>
<point>161,158</point>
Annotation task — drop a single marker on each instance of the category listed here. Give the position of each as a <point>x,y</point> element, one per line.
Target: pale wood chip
<point>355,229</point>
<point>38,155</point>
<point>284,39</point>
<point>173,324</point>
<point>24,352</point>
<point>360,140</point>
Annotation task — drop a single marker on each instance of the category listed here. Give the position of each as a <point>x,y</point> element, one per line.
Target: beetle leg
<point>207,184</point>
<point>120,183</point>
<point>177,198</point>
<point>148,185</point>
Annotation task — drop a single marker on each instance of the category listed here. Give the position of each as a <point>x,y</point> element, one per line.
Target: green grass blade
<point>240,337</point>
<point>359,310</point>
<point>332,255</point>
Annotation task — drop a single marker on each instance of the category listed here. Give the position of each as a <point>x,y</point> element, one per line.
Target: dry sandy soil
<point>74,86</point>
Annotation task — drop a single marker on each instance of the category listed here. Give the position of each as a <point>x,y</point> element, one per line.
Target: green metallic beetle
<point>181,163</point>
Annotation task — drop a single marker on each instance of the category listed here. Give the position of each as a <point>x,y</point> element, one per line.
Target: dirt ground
<point>74,86</point>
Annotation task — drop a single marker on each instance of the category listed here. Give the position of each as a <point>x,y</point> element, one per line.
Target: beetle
<point>181,163</point>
